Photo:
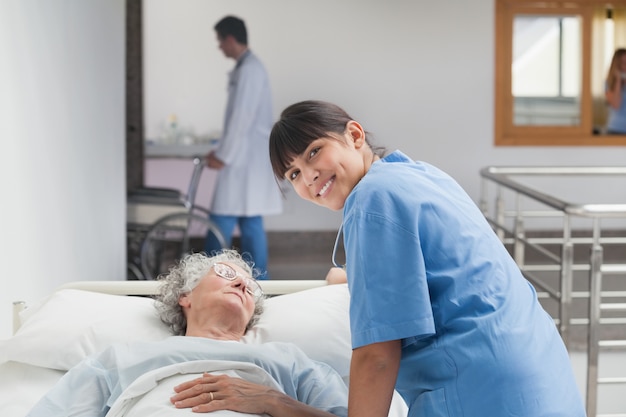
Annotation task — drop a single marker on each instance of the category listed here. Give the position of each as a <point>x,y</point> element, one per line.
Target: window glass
<point>546,70</point>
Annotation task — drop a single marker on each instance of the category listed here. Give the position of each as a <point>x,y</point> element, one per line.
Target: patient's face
<point>220,300</point>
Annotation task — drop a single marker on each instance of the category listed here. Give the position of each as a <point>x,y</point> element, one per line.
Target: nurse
<point>439,310</point>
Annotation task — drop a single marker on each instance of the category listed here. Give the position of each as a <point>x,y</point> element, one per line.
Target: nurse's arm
<point>373,374</point>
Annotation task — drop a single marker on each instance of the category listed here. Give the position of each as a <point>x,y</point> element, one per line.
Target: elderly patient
<point>209,303</point>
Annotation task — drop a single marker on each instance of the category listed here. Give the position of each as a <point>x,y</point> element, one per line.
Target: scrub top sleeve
<point>387,280</point>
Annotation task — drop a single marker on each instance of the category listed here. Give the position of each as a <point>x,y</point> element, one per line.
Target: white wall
<point>62,166</point>
<point>419,75</point>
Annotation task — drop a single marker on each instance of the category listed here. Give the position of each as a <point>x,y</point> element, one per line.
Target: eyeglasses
<point>228,273</point>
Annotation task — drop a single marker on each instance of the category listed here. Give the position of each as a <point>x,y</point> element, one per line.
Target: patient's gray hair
<point>184,276</point>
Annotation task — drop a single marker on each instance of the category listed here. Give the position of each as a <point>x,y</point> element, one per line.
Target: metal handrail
<point>501,175</point>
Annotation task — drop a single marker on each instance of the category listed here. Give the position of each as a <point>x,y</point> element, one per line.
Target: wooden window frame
<point>508,134</point>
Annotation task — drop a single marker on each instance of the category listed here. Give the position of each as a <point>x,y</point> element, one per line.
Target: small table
<point>177,151</point>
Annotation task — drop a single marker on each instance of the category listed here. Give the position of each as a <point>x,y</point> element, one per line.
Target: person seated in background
<point>614,93</point>
<point>209,303</point>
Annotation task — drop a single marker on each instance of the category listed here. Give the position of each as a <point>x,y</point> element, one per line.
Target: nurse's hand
<point>213,162</point>
<point>336,276</point>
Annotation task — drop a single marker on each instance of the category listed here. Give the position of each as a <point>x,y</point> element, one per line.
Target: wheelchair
<point>164,224</point>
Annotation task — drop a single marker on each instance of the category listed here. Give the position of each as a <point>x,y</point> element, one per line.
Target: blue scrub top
<point>424,266</point>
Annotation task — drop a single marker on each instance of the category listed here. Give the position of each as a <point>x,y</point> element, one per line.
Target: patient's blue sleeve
<point>84,390</point>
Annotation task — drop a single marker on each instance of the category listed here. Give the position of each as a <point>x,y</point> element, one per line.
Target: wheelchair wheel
<point>171,237</point>
<point>133,272</point>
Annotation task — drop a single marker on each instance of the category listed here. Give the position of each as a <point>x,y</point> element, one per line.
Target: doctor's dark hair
<point>185,276</point>
<point>234,26</point>
<point>302,123</point>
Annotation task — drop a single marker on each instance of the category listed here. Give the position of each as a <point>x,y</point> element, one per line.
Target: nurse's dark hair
<point>302,123</point>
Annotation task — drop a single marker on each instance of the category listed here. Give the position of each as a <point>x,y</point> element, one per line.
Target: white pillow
<point>72,324</point>
<point>316,320</point>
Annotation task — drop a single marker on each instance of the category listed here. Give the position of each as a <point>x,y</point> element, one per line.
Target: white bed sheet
<point>21,386</point>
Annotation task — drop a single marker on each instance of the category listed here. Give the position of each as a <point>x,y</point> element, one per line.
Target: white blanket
<point>96,384</point>
<point>148,395</point>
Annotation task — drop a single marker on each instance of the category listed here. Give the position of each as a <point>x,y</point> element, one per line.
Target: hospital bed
<point>82,318</point>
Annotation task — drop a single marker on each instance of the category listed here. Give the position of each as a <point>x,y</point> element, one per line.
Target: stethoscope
<point>334,260</point>
<point>339,233</point>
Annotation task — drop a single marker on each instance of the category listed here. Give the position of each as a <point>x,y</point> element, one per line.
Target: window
<point>551,63</point>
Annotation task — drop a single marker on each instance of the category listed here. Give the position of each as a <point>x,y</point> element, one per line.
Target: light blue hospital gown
<point>91,387</point>
<point>425,267</point>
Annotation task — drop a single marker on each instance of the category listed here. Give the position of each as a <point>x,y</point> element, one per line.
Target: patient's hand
<point>336,276</point>
<point>222,392</point>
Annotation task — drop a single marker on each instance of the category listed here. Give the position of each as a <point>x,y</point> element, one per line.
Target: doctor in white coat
<point>246,189</point>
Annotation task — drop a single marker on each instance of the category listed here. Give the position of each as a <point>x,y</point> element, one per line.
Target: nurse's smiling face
<point>330,167</point>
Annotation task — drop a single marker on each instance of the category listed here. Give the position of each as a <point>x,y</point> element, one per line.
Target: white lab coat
<point>246,186</point>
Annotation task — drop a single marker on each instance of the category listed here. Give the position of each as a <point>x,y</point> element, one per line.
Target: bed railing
<point>546,234</point>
